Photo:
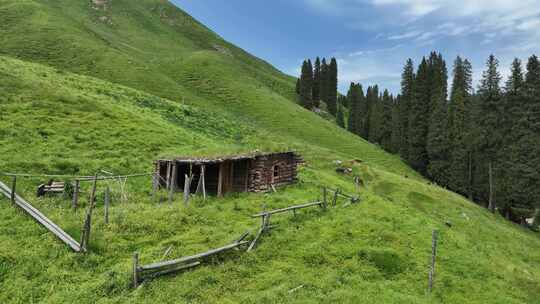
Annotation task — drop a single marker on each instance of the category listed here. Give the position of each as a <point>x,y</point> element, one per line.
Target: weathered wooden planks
<point>40,218</point>
<point>142,272</point>
<point>291,208</point>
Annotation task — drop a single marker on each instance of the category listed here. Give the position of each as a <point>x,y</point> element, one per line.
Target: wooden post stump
<point>136,270</point>
<point>107,198</point>
<point>172,183</point>
<point>75,200</point>
<point>13,189</point>
<point>433,258</point>
<point>187,190</point>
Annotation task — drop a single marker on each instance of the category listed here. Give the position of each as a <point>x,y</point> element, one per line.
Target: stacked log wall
<point>261,173</point>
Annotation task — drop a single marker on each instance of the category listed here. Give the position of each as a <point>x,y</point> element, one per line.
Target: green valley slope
<point>160,87</point>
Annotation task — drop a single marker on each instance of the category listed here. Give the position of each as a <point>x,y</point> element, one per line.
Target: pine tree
<point>525,152</point>
<point>419,119</point>
<point>532,84</point>
<point>438,145</point>
<point>340,117</point>
<point>488,122</point>
<point>461,84</point>
<point>396,125</point>
<point>323,81</point>
<point>371,114</point>
<point>459,156</point>
<point>317,83</point>
<point>373,128</point>
<point>332,84</point>
<point>352,100</point>
<point>306,85</point>
<point>407,96</point>
<point>461,133</point>
<point>386,121</point>
<point>297,86</point>
<point>512,103</point>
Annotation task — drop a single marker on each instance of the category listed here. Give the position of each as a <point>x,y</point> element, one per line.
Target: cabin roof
<point>219,159</point>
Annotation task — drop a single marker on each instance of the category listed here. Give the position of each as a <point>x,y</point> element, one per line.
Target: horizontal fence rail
<point>144,272</point>
<point>291,208</point>
<point>40,218</point>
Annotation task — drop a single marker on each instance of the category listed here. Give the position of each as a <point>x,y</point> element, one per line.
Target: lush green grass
<point>215,101</point>
<point>376,251</point>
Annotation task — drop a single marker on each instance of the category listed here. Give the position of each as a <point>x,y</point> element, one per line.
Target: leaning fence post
<point>187,190</point>
<point>172,183</point>
<point>136,269</point>
<point>154,186</point>
<point>74,203</point>
<point>13,186</point>
<point>336,193</point>
<point>324,197</point>
<point>107,198</point>
<point>93,193</point>
<point>433,257</point>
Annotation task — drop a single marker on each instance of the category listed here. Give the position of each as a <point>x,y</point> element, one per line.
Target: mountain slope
<point>152,46</point>
<point>54,121</point>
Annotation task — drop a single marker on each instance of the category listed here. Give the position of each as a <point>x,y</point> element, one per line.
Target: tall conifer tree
<point>316,91</point>
<point>331,97</point>
<point>386,121</point>
<point>488,122</point>
<point>306,85</point>
<point>323,81</point>
<point>407,96</point>
<point>419,119</point>
<point>396,125</point>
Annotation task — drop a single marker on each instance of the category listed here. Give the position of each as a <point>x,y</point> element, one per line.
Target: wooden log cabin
<point>257,172</point>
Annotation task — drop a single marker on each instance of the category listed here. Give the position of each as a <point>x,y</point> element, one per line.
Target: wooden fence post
<point>172,183</point>
<point>87,227</point>
<point>324,197</point>
<point>154,186</point>
<point>75,201</point>
<point>13,189</point>
<point>203,182</point>
<point>136,269</point>
<point>93,193</point>
<point>107,198</point>
<point>336,193</point>
<point>187,189</point>
<point>433,257</point>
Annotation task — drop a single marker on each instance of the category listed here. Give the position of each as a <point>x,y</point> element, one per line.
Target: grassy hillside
<point>154,47</point>
<point>160,87</point>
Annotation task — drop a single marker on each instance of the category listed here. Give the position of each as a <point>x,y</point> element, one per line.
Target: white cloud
<point>405,35</point>
<point>471,28</point>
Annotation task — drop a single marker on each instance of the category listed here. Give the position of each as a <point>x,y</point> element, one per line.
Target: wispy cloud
<point>470,28</point>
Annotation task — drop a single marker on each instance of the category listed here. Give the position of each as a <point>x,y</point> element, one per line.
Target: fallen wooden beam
<point>142,272</point>
<point>40,218</point>
<point>193,257</point>
<point>288,209</point>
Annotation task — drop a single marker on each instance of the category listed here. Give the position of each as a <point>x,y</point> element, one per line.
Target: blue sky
<point>372,38</point>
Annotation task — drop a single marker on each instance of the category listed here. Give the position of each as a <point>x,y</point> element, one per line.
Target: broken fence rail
<point>41,218</point>
<point>291,208</point>
<point>150,271</point>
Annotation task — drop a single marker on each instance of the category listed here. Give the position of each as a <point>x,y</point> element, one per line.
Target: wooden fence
<point>146,272</point>
<point>39,217</point>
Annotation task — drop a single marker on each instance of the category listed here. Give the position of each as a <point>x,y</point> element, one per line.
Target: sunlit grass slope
<point>375,251</point>
<point>155,47</point>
